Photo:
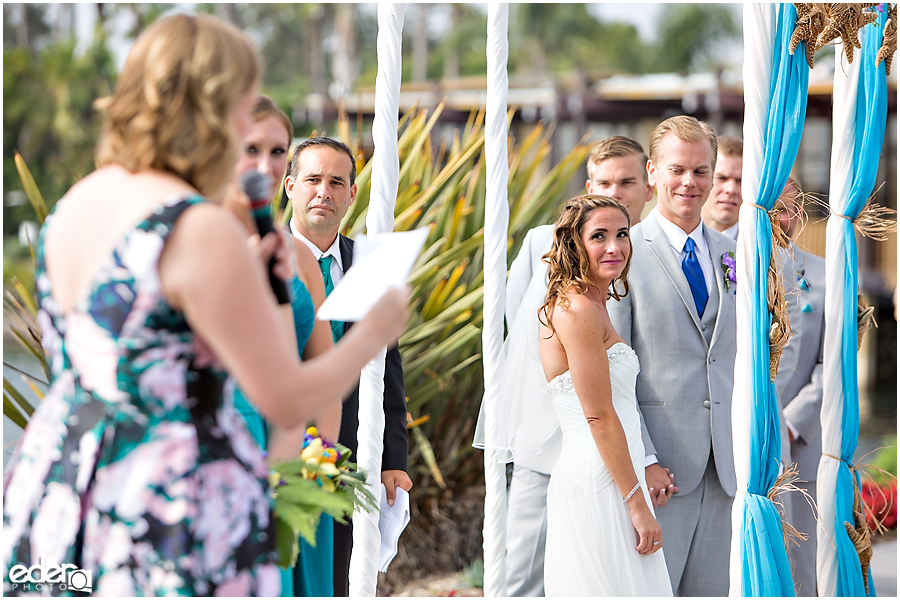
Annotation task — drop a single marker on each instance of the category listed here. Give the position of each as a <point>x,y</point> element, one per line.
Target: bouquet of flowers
<point>321,479</point>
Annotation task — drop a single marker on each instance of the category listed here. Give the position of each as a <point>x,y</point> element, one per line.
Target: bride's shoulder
<point>575,299</point>
<point>576,307</point>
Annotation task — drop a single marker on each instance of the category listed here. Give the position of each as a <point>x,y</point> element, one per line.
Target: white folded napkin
<point>393,521</point>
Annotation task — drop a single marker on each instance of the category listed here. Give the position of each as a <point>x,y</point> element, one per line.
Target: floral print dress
<point>133,466</point>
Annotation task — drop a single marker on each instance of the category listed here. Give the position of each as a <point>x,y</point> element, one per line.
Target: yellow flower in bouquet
<point>321,479</point>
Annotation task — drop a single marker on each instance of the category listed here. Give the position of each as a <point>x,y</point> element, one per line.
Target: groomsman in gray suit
<point>615,168</point>
<point>679,317</point>
<point>799,381</point>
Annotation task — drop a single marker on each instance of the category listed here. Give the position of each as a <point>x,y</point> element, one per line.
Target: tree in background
<point>563,38</point>
<point>689,34</point>
<point>48,114</point>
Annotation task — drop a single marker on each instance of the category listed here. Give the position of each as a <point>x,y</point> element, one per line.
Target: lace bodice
<point>615,353</point>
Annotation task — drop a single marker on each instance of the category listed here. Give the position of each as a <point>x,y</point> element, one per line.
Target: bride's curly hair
<point>568,258</point>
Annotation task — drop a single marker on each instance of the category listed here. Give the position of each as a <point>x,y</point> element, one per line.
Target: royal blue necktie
<point>691,267</point>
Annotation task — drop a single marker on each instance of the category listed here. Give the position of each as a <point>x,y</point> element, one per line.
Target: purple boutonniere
<point>729,266</point>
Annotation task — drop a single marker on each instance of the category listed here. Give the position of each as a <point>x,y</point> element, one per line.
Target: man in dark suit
<point>322,186</point>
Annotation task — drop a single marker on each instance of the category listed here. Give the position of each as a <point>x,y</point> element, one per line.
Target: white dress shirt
<point>732,231</point>
<point>677,237</point>
<point>337,265</point>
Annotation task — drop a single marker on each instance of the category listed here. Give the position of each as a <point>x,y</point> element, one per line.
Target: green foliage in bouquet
<point>321,480</point>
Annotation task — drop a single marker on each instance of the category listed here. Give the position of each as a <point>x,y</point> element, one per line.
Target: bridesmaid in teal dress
<point>266,149</point>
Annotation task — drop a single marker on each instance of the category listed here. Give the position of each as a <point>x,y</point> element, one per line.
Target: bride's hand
<point>645,524</point>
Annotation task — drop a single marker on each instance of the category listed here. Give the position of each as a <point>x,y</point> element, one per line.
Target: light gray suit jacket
<point>685,384</point>
<point>537,243</point>
<point>799,379</point>
<point>526,266</point>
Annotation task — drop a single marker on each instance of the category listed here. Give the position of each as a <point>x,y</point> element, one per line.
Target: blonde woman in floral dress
<point>133,467</point>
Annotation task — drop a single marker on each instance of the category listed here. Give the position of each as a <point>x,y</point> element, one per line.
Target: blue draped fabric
<point>765,567</point>
<point>871,117</point>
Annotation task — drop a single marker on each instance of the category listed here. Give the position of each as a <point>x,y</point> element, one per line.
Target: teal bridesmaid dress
<point>312,576</point>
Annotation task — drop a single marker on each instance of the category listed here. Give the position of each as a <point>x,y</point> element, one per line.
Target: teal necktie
<point>337,327</point>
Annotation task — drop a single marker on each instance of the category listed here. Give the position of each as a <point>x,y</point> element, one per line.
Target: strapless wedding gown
<point>590,538</point>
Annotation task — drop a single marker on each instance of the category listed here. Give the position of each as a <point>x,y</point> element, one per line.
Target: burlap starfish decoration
<point>811,20</point>
<point>889,45</point>
<point>845,21</point>
<point>861,537</point>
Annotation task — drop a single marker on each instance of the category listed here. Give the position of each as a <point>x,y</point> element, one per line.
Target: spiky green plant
<point>20,318</point>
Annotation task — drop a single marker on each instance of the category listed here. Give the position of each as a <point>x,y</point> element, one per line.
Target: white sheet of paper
<point>379,262</point>
<point>391,524</point>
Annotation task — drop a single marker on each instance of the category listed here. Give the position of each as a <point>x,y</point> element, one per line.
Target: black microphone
<point>256,186</point>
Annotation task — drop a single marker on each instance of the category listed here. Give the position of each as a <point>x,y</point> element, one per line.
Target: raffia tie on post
<point>780,332</point>
<point>787,482</point>
<point>859,531</point>
<point>874,222</point>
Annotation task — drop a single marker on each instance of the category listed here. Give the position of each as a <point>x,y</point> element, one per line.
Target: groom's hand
<point>660,484</point>
<point>393,479</point>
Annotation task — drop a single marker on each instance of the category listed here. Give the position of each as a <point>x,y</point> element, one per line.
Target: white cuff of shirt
<point>650,459</point>
<point>793,430</point>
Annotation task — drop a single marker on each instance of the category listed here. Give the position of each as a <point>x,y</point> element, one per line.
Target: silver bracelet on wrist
<point>631,493</point>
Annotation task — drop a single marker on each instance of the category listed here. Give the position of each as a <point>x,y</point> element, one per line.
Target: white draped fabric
<point>759,31</point>
<point>846,80</point>
<point>775,89</point>
<point>379,219</point>
<point>496,221</point>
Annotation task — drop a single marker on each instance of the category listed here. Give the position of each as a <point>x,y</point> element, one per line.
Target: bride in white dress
<point>602,535</point>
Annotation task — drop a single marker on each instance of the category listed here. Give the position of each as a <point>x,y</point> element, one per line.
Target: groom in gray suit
<point>799,381</point>
<point>679,317</point>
